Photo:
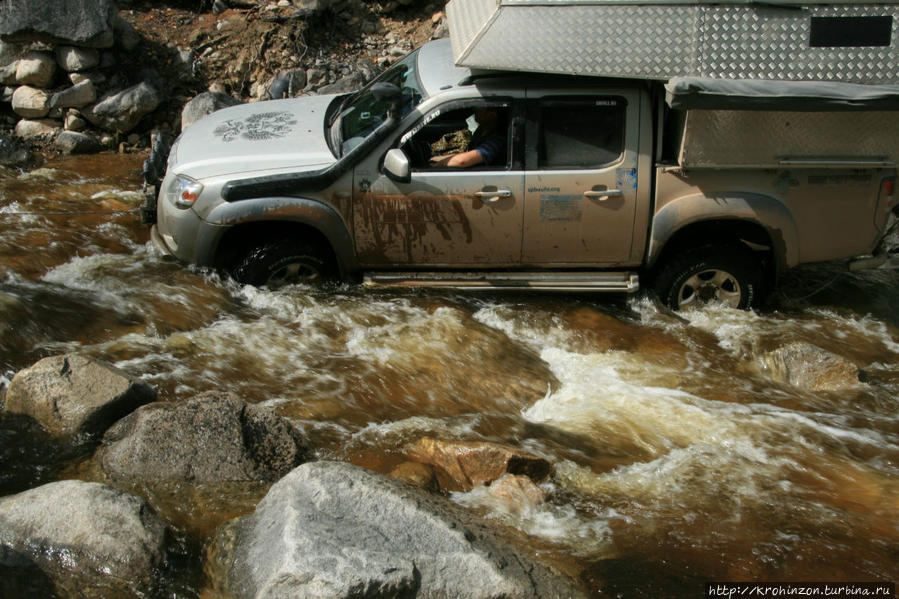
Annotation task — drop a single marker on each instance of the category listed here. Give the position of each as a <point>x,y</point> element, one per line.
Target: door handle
<point>489,197</point>
<point>603,194</point>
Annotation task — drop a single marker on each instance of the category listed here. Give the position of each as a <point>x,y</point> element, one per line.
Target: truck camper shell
<point>844,41</point>
<point>780,124</point>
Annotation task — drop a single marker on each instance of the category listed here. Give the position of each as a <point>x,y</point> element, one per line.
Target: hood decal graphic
<point>257,127</point>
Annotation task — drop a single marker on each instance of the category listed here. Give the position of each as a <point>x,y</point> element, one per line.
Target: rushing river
<point>677,460</point>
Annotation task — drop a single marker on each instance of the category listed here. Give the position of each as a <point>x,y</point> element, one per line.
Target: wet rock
<point>473,463</point>
<point>30,102</point>
<point>71,142</point>
<point>77,22</point>
<point>518,493</point>
<point>331,529</point>
<point>72,59</point>
<point>89,539</point>
<point>36,129</point>
<point>809,367</point>
<point>35,68</point>
<point>414,473</point>
<point>72,395</point>
<point>12,154</point>
<point>122,111</point>
<point>203,105</point>
<point>214,437</point>
<point>77,96</point>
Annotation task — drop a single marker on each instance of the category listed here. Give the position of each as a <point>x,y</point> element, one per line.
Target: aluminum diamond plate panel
<point>658,39</point>
<point>773,43</point>
<point>583,40</point>
<point>768,137</point>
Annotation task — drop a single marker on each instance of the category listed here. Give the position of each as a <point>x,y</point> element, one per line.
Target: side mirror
<point>390,93</point>
<point>396,166</point>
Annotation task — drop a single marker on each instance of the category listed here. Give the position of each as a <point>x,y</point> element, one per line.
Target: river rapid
<point>676,459</point>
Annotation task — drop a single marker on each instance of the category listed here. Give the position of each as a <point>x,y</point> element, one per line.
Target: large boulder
<point>72,58</point>
<point>73,395</point>
<point>71,142</point>
<point>86,23</point>
<point>809,367</point>
<point>473,463</point>
<point>122,111</point>
<point>203,105</point>
<point>90,540</point>
<point>30,102</point>
<point>212,438</point>
<point>76,96</point>
<point>36,68</point>
<point>335,530</point>
<point>36,129</point>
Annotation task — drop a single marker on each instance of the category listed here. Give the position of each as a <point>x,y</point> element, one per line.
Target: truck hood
<point>262,136</point>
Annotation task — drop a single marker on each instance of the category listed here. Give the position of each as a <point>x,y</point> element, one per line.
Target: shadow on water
<point>30,457</point>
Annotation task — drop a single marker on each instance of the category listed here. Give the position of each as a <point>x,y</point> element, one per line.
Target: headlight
<point>184,191</point>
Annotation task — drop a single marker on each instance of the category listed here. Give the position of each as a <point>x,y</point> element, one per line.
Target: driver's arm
<point>460,160</point>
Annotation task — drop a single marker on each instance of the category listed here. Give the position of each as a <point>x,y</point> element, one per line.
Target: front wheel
<point>284,262</point>
<point>728,275</point>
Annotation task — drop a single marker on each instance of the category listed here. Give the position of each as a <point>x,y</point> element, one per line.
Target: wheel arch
<point>758,221</point>
<point>237,227</point>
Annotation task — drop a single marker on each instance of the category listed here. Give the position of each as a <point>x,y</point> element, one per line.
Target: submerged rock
<point>73,395</point>
<point>214,437</point>
<point>809,367</point>
<point>473,463</point>
<point>331,529</point>
<point>517,493</point>
<point>89,539</point>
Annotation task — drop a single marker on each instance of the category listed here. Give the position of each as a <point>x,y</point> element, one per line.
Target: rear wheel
<point>728,275</point>
<point>284,262</point>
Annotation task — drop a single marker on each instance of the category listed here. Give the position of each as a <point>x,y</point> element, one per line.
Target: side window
<point>483,128</point>
<point>580,133</point>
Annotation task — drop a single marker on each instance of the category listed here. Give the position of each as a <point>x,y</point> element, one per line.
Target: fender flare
<point>765,211</point>
<point>313,213</point>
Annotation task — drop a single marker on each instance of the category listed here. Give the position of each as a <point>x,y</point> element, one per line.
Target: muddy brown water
<point>677,461</point>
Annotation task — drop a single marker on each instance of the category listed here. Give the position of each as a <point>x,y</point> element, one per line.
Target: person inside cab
<point>487,146</point>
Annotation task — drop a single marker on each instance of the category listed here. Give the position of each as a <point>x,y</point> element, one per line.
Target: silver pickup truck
<point>590,185</point>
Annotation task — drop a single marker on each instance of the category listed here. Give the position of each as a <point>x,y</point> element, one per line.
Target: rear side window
<point>581,133</point>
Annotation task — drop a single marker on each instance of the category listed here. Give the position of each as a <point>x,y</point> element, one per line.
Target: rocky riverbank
<point>358,532</point>
<point>291,522</point>
<point>85,76</point>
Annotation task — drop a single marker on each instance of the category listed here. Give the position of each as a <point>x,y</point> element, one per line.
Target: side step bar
<point>617,282</point>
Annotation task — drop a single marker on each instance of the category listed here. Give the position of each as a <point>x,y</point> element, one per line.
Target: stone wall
<point>60,71</point>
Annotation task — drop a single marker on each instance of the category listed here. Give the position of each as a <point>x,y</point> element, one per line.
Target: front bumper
<point>159,243</point>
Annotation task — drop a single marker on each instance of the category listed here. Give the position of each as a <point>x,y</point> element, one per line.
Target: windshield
<point>363,113</point>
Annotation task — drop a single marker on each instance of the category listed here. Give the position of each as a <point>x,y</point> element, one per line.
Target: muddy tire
<point>284,262</point>
<point>713,274</point>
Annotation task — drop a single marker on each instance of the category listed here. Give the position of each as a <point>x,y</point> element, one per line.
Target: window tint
<point>581,134</point>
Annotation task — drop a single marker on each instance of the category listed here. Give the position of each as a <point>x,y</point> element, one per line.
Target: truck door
<point>580,178</point>
<point>452,217</point>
